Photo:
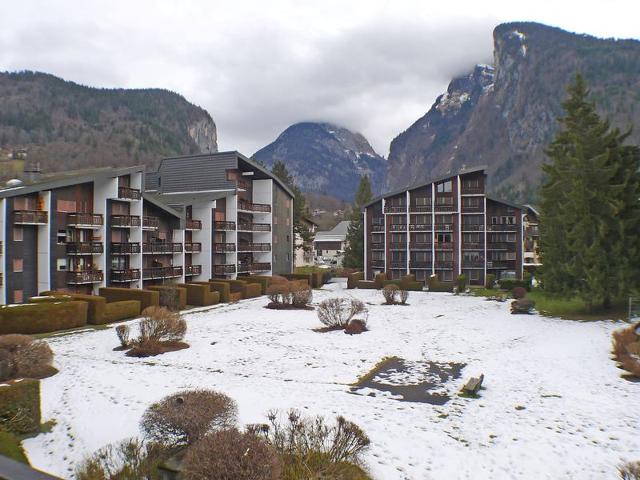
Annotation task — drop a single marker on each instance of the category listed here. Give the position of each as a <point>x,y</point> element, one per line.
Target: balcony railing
<point>420,245</point>
<point>254,207</point>
<point>420,208</point>
<point>532,231</point>
<point>420,264</point>
<point>224,247</point>
<point>191,270</point>
<point>472,208</point>
<point>472,246</point>
<point>398,227</point>
<point>472,190</point>
<point>472,263</point>
<point>420,227</point>
<point>155,273</point>
<point>397,246</point>
<point>254,227</point>
<point>127,275</point>
<point>30,217</point>
<point>395,209</point>
<point>501,264</point>
<point>191,224</point>
<point>444,246</point>
<point>151,223</point>
<point>402,265</point>
<point>161,248</point>
<point>377,246</point>
<point>224,269</point>
<point>377,228</point>
<point>125,221</point>
<point>503,227</point>
<point>90,220</point>
<point>125,248</point>
<point>444,227</point>
<point>445,207</point>
<point>472,227</point>
<point>500,246</point>
<point>254,247</point>
<point>127,193</point>
<point>253,267</point>
<point>444,264</point>
<point>84,248</point>
<point>85,276</point>
<point>377,263</point>
<point>193,247</point>
<point>220,225</point>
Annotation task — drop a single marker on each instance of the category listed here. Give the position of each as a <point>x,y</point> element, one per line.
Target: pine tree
<point>590,204</point>
<point>354,251</point>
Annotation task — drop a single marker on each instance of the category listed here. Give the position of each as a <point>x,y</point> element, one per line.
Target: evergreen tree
<point>354,251</point>
<point>590,205</point>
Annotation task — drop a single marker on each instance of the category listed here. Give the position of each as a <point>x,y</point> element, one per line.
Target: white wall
<point>203,212</point>
<point>263,193</point>
<point>44,246</point>
<point>102,190</point>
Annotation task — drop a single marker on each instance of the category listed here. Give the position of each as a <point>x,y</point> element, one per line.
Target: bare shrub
<point>186,417</point>
<point>630,471</point>
<point>337,312</point>
<point>231,455</point>
<point>127,460</point>
<point>279,293</point>
<point>621,338</point>
<point>123,333</point>
<point>403,296</point>
<point>390,292</point>
<point>301,296</point>
<point>23,357</point>
<point>519,292</point>
<point>623,342</point>
<point>161,325</point>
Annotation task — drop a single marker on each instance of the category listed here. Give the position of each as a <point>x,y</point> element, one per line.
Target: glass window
<point>17,265</point>
<point>444,187</point>
<point>18,296</point>
<point>18,234</point>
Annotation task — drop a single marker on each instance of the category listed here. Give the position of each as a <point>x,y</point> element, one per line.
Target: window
<point>422,238</point>
<point>397,238</point>
<point>68,206</point>
<point>471,202</point>
<point>422,201</point>
<point>511,255</point>
<point>494,220</point>
<point>445,275</point>
<point>444,256</point>
<point>62,237</point>
<point>61,264</point>
<point>471,256</point>
<point>473,275</point>
<point>18,234</point>
<point>511,237</point>
<point>444,200</point>
<point>444,187</point>
<point>18,296</point>
<point>17,265</point>
<point>443,238</point>
<point>471,183</point>
<point>24,203</point>
<point>420,256</point>
<point>471,238</point>
<point>444,219</point>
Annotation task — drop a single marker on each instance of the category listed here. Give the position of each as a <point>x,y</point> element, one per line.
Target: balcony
<point>85,220</point>
<point>193,247</point>
<point>377,246</point>
<point>191,224</point>
<point>500,246</point>
<point>156,273</point>
<point>85,277</point>
<point>444,264</point>
<point>245,206</point>
<point>127,193</point>
<point>468,190</point>
<point>420,246</point>
<point>444,227</point>
<point>254,227</point>
<point>503,227</point>
<point>420,264</point>
<point>166,248</point>
<point>150,223</point>
<point>395,209</point>
<point>501,264</point>
<point>124,276</point>
<point>377,263</point>
<point>125,248</point>
<point>226,226</point>
<point>445,207</point>
<point>244,267</point>
<point>125,221</point>
<point>224,247</point>
<point>401,265</point>
<point>191,270</point>
<point>472,263</point>
<point>472,227</point>
<point>415,208</point>
<point>244,184</point>
<point>30,217</point>
<point>444,246</point>
<point>224,269</point>
<point>420,227</point>
<point>397,246</point>
<point>84,248</point>
<point>532,231</point>
<point>472,208</point>
<point>472,246</point>
<point>377,228</point>
<point>398,227</point>
<point>254,247</point>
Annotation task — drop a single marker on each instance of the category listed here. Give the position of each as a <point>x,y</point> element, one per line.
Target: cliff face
<point>325,158</point>
<point>64,125</point>
<point>504,115</point>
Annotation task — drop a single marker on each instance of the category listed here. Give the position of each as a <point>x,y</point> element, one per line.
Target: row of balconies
<point>442,246</point>
<point>132,274</point>
<point>253,207</point>
<point>244,267</point>
<point>428,264</point>
<point>443,227</point>
<point>242,226</point>
<point>97,248</point>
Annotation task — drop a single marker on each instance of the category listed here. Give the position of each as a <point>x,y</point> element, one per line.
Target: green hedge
<point>123,310</point>
<point>379,279</point>
<point>96,309</point>
<point>46,317</point>
<point>200,295</point>
<point>413,286</point>
<point>147,298</point>
<point>11,447</point>
<point>171,296</point>
<point>20,406</point>
<point>511,284</point>
<point>50,298</point>
<point>436,285</point>
<point>354,278</point>
<point>366,285</point>
<point>397,283</point>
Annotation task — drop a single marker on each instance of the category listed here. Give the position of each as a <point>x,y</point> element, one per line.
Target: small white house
<point>330,245</point>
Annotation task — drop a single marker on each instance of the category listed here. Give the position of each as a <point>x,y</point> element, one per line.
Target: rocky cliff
<point>64,125</point>
<point>325,158</point>
<point>503,115</point>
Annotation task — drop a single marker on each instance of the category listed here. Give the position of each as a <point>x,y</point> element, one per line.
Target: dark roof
<point>506,202</point>
<point>159,202</point>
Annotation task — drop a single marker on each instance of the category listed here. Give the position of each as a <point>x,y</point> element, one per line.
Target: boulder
<point>522,306</point>
<point>355,327</point>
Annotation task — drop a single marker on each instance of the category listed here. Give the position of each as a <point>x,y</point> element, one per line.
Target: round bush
<point>23,357</point>
<point>518,292</point>
<point>389,292</point>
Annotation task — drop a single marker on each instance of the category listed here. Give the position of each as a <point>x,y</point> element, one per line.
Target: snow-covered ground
<point>579,420</point>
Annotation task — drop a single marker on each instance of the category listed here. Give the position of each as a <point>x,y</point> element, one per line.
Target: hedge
<point>200,295</point>
<point>147,298</point>
<point>436,285</point>
<point>171,296</point>
<point>11,447</point>
<point>366,285</point>
<point>20,406</point>
<point>397,283</point>
<point>511,284</point>
<point>29,318</point>
<point>123,310</point>
<point>242,287</point>
<point>263,280</point>
<point>409,283</point>
<point>300,276</point>
<point>354,278</point>
<point>49,297</point>
<point>252,290</point>
<point>223,289</point>
<point>379,279</point>
<point>96,308</point>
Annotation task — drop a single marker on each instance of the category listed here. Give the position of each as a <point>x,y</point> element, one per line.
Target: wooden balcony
<point>395,209</point>
<point>224,269</point>
<point>445,207</point>
<point>193,247</point>
<point>472,227</point>
<point>501,246</point>
<point>156,273</point>
<point>124,276</point>
<point>192,270</point>
<point>414,208</point>
<point>420,265</point>
<point>421,245</point>
<point>503,227</point>
<point>127,193</point>
<point>254,227</point>
<point>420,227</point>
<point>84,248</point>
<point>125,221</point>
<point>245,206</point>
<point>398,227</point>
<point>399,265</point>
<point>501,264</point>
<point>471,190</point>
<point>150,223</point>
<point>30,217</point>
<point>225,226</point>
<point>85,220</point>
<point>244,267</point>
<point>254,247</point>
<point>444,264</point>
<point>161,248</point>
<point>532,231</point>
<point>191,224</point>
<point>444,227</point>
<point>472,246</point>
<point>377,246</point>
<point>472,208</point>
<point>125,248</point>
<point>397,246</point>
<point>472,263</point>
<point>444,246</point>
<point>224,247</point>
<point>377,263</point>
<point>377,228</point>
<point>84,277</point>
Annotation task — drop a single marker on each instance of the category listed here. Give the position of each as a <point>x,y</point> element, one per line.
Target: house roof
<point>336,234</point>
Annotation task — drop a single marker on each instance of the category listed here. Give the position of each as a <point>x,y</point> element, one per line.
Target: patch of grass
<point>573,308</point>
<point>71,331</point>
<point>487,292</point>
<point>11,446</point>
<point>374,371</point>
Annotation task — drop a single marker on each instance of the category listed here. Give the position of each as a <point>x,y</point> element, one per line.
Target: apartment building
<point>447,227</point>
<point>239,217</point>
<point>532,258</point>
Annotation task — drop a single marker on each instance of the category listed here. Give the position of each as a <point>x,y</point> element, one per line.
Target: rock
<point>522,306</point>
<point>472,387</point>
<point>355,327</point>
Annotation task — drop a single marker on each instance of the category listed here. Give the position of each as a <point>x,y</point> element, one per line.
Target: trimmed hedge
<point>263,280</point>
<point>511,284</point>
<point>29,318</point>
<point>223,289</point>
<point>397,283</point>
<point>353,279</point>
<point>379,279</point>
<point>413,286</point>
<point>300,276</point>
<point>366,285</point>
<point>95,311</point>
<point>167,300</point>
<point>123,310</point>
<point>11,447</point>
<point>147,298</point>
<point>200,295</point>
<point>20,406</point>
<point>252,290</point>
<point>436,285</point>
<point>49,297</point>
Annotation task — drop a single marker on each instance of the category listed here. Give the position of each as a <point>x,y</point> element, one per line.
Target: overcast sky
<point>373,66</point>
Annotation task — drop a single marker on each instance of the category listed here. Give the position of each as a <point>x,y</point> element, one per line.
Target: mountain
<point>64,125</point>
<point>503,115</point>
<point>325,158</point>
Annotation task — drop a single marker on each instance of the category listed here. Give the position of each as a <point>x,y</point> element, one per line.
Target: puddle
<point>409,381</point>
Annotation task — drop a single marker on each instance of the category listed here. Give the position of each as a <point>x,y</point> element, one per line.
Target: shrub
<point>355,327</point>
<point>337,312</point>
<point>20,406</point>
<point>390,292</point>
<point>461,283</point>
<point>436,285</point>
<point>522,305</point>
<point>379,279</point>
<point>231,455</point>
<point>278,293</point>
<point>123,310</point>
<point>509,284</point>
<point>11,447</point>
<point>354,278</point>
<point>224,289</point>
<point>293,294</point>
<point>490,280</point>
<point>171,296</point>
<point>252,290</point>
<point>630,471</point>
<point>301,296</point>
<point>403,295</point>
<point>161,325</point>
<point>147,298</point>
<point>45,317</point>
<point>200,294</point>
<point>623,340</point>
<point>24,357</point>
<point>518,292</point>
<point>123,332</point>
<point>186,417</point>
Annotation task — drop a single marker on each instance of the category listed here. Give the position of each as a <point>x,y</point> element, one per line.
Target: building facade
<point>330,245</point>
<point>446,227</point>
<point>304,253</point>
